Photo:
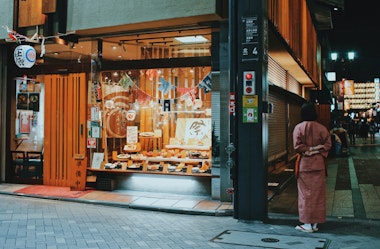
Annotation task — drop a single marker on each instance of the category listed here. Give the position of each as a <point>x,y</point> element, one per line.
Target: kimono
<point>311,181</point>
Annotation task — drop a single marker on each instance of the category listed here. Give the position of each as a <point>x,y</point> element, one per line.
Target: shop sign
<point>132,134</point>
<point>91,143</point>
<point>24,56</point>
<point>250,115</point>
<point>232,103</point>
<point>250,39</point>
<point>131,115</point>
<point>250,109</point>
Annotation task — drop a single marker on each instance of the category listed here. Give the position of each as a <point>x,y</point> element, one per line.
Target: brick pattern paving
<point>51,224</point>
<point>353,187</point>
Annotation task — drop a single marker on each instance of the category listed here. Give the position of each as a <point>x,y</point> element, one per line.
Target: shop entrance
<point>49,130</point>
<point>65,127</point>
<point>26,150</point>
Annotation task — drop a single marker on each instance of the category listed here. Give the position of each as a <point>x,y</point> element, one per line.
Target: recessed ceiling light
<point>191,39</point>
<point>194,51</point>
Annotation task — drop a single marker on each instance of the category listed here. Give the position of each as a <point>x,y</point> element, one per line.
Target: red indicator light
<point>248,89</point>
<point>248,76</point>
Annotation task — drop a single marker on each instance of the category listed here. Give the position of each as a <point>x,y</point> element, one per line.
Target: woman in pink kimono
<point>312,140</point>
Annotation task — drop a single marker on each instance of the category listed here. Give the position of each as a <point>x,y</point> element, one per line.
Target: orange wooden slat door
<point>65,127</point>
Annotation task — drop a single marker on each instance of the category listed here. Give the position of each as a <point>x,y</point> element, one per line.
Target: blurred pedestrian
<point>364,129</point>
<point>372,131</point>
<point>313,141</point>
<point>337,143</point>
<point>352,131</point>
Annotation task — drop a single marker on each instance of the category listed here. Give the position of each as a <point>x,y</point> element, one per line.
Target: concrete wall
<point>3,110</point>
<point>6,17</point>
<point>90,14</point>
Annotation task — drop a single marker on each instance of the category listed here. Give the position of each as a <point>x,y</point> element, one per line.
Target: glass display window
<point>157,119</point>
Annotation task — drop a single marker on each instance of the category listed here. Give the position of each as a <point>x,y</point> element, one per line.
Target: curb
<point>127,205</point>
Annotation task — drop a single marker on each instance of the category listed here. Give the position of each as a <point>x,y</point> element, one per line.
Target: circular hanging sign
<point>131,115</point>
<point>109,104</point>
<point>24,56</point>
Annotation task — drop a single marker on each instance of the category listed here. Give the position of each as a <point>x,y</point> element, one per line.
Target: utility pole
<point>249,64</point>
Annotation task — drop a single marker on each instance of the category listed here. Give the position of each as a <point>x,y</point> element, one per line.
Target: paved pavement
<point>27,222</point>
<point>136,220</point>
<point>353,186</point>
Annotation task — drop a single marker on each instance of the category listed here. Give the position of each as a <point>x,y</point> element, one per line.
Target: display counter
<point>179,160</point>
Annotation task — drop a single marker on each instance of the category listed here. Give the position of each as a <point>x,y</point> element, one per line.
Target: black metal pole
<point>249,32</point>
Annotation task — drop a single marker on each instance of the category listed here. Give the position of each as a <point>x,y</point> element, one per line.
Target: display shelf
<point>187,147</point>
<point>169,165</point>
<point>174,159</point>
<point>134,171</point>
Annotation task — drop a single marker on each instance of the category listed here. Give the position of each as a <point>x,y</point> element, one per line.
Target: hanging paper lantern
<point>24,56</point>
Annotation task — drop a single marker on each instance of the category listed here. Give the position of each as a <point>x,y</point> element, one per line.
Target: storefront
<point>145,112</point>
<point>150,128</point>
<point>140,100</point>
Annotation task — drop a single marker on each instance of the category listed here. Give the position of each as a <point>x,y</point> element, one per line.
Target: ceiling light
<point>194,51</point>
<point>191,39</point>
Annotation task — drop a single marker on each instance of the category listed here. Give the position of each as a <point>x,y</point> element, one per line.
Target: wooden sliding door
<point>65,127</point>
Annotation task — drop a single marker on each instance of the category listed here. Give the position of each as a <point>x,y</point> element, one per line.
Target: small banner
<point>206,83</point>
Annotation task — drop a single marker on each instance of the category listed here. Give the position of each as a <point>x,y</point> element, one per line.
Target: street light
<point>338,72</point>
<point>342,63</point>
<point>351,55</point>
<point>334,56</point>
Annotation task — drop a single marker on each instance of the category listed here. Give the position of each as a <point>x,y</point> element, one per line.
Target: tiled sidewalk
<point>353,191</point>
<point>353,186</point>
<point>140,200</point>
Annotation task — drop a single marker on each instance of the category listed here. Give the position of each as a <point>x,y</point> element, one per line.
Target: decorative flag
<point>151,73</point>
<point>189,97</point>
<point>43,50</point>
<point>165,86</point>
<point>13,36</point>
<point>183,90</point>
<point>166,103</point>
<point>206,83</point>
<point>143,97</point>
<point>126,82</point>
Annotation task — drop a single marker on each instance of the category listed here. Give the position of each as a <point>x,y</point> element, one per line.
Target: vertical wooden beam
<point>47,131</point>
<point>53,124</point>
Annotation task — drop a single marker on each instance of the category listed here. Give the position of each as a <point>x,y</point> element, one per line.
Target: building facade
<point>138,95</point>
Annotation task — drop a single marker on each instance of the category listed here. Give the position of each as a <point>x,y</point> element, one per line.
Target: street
<point>27,222</point>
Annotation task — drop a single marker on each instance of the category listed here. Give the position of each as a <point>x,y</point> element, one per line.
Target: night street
<point>27,222</point>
